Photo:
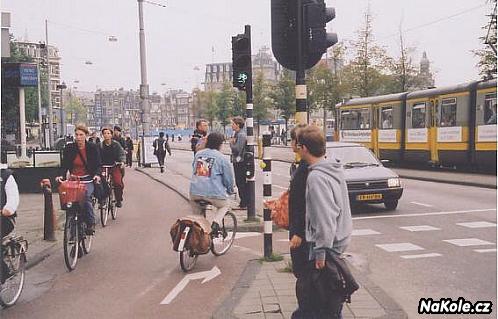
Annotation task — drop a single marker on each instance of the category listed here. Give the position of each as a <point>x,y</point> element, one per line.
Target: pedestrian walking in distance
<point>129,152</point>
<point>161,145</point>
<point>328,225</point>
<point>238,144</point>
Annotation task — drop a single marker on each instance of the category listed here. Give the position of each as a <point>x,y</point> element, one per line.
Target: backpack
<point>198,239</point>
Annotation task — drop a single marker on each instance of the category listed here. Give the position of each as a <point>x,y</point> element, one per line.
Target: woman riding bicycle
<point>111,153</point>
<point>212,178</point>
<point>82,159</point>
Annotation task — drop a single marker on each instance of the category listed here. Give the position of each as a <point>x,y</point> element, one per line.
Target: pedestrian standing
<point>198,140</point>
<point>237,145</point>
<point>299,250</point>
<point>161,145</point>
<point>328,222</point>
<point>129,152</point>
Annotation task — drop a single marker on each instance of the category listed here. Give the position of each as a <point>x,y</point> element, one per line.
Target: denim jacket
<point>212,175</point>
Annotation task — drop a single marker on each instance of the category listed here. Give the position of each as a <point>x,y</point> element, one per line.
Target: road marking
<point>248,250</point>
<point>281,187</point>
<point>420,228</point>
<point>399,247</point>
<point>477,224</point>
<point>364,232</point>
<point>421,256</point>
<point>245,235</point>
<point>421,204</point>
<point>207,275</point>
<point>463,242</point>
<point>490,250</point>
<point>428,214</point>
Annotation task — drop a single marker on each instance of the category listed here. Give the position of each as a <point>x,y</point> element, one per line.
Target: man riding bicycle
<point>10,201</point>
<point>111,153</point>
<point>212,178</point>
<point>82,159</point>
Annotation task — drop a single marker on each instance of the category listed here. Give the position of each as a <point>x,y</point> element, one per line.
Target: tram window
<point>448,112</point>
<point>490,109</point>
<point>387,117</point>
<point>418,116</point>
<point>355,119</point>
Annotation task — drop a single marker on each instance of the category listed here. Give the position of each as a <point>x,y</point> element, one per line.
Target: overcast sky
<point>190,33</point>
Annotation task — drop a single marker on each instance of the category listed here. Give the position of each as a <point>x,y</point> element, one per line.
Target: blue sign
<point>19,74</point>
<point>28,75</point>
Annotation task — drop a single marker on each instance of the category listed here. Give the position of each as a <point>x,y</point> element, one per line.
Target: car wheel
<point>391,205</point>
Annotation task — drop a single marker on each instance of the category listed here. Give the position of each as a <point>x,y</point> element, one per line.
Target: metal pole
<point>63,128</point>
<point>144,87</point>
<point>48,215</point>
<point>267,181</point>
<point>22,121</point>
<point>40,119</point>
<point>301,103</point>
<point>251,180</point>
<point>49,89</point>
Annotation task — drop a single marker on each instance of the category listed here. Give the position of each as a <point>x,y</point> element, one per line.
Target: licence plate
<point>369,197</point>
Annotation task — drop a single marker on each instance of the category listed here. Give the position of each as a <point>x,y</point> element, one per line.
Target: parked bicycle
<point>12,269</point>
<point>76,240</point>
<point>222,238</point>
<point>109,204</point>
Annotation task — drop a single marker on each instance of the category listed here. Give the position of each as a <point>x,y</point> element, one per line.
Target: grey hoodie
<point>328,215</point>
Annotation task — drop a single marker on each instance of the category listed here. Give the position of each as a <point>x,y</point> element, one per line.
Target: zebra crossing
<point>409,250</point>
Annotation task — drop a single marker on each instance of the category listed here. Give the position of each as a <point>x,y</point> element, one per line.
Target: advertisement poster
<point>486,133</point>
<point>417,135</point>
<point>449,134</point>
<point>388,136</point>
<point>356,136</point>
<point>150,158</point>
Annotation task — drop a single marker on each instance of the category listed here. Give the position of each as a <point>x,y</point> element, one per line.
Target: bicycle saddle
<point>203,202</point>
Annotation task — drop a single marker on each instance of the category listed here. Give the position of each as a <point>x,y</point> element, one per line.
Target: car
<point>367,179</point>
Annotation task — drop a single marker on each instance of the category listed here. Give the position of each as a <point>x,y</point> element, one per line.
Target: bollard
<point>268,225</point>
<point>48,215</point>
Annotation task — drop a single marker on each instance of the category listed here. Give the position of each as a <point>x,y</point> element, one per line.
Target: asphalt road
<point>447,247</point>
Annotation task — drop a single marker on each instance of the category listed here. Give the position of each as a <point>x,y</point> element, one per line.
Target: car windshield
<point>353,156</point>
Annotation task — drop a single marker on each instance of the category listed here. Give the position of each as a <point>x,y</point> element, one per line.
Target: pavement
<point>284,154</point>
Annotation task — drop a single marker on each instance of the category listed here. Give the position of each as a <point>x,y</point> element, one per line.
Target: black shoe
<point>90,230</point>
<point>162,169</point>
<point>215,228</point>
<point>119,204</point>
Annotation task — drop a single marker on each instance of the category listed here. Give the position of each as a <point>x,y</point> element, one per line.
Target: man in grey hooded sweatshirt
<point>328,215</point>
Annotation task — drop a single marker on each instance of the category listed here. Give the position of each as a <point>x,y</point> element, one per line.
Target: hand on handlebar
<point>96,179</point>
<point>59,179</point>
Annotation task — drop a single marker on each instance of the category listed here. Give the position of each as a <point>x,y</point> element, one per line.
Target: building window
<point>386,117</point>
<point>490,108</point>
<point>418,116</point>
<point>448,112</point>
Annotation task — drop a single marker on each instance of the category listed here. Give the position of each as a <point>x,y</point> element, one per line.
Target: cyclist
<point>9,202</point>
<point>212,178</point>
<point>116,135</point>
<point>82,159</point>
<point>111,153</point>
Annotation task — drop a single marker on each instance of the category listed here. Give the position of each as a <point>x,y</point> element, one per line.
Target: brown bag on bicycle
<point>280,210</point>
<point>199,239</point>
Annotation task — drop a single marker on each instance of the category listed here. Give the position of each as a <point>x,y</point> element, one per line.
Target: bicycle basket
<point>71,191</point>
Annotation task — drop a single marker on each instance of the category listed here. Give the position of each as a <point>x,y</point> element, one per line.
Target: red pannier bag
<point>198,239</point>
<point>279,210</point>
<point>71,191</point>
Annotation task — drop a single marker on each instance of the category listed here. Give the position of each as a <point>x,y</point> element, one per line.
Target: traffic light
<point>315,39</point>
<point>241,60</point>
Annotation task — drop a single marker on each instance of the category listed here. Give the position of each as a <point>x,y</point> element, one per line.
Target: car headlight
<point>393,182</point>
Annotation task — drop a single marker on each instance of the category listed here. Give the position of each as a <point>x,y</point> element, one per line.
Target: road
<point>447,247</point>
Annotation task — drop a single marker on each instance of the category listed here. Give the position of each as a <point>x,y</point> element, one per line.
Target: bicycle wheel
<point>104,215</point>
<point>223,239</point>
<point>11,289</point>
<point>86,243</point>
<point>71,242</point>
<point>111,206</point>
<point>187,259</point>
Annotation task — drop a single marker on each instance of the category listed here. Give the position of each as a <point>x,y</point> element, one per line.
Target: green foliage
<point>76,112</point>
<point>224,104</point>
<point>487,55</point>
<point>273,258</point>
<point>262,101</point>
<point>283,95</point>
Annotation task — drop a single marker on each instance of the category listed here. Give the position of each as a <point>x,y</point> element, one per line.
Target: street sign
<point>20,74</point>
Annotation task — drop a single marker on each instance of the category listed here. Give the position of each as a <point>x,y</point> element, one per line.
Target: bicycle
<point>109,206</point>
<point>12,269</point>
<point>76,240</point>
<point>222,238</point>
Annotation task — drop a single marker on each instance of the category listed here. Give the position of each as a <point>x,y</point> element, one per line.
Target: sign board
<point>20,74</point>
<point>486,133</point>
<point>449,134</point>
<point>417,135</point>
<point>150,158</point>
<point>388,136</point>
<point>355,136</point>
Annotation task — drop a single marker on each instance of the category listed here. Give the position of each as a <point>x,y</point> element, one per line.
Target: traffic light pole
<point>251,180</point>
<point>301,93</point>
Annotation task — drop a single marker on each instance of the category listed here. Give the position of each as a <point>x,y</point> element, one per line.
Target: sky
<point>184,35</point>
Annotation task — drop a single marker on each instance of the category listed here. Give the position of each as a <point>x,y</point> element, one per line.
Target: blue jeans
<point>87,204</point>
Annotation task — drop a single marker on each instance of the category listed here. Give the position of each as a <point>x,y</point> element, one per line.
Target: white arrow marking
<point>207,275</point>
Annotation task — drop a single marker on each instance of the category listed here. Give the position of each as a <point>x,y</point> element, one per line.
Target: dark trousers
<point>241,182</point>
<point>160,157</point>
<point>129,160</point>
<point>299,258</point>
<point>7,225</point>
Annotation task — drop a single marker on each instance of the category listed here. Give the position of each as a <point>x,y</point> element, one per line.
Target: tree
<point>262,102</point>
<point>225,102</point>
<point>364,72</point>
<point>487,55</point>
<point>283,96</point>
<point>75,110</point>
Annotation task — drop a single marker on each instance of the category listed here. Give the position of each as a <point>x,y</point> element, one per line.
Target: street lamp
<point>61,87</point>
